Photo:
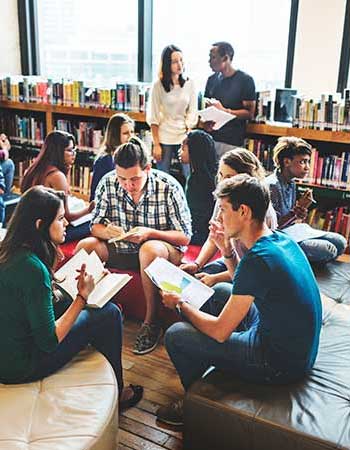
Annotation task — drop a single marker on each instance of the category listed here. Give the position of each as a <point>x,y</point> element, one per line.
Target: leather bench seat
<point>223,412</point>
<point>73,409</point>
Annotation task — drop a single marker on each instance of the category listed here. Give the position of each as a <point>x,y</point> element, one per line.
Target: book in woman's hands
<point>170,278</point>
<point>106,285</point>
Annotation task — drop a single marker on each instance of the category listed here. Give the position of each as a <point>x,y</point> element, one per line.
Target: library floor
<point>138,428</point>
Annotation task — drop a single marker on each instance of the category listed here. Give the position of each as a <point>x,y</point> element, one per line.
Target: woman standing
<point>35,344</point>
<point>120,128</point>
<point>52,169</point>
<point>173,109</point>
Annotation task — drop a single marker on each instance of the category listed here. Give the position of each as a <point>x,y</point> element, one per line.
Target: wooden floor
<point>138,428</point>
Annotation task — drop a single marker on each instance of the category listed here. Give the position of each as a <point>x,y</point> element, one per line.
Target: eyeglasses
<point>72,151</point>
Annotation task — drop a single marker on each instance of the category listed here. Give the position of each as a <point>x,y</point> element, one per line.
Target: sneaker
<point>147,339</point>
<point>172,414</point>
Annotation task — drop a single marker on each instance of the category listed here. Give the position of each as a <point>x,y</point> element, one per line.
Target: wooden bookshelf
<point>49,110</point>
<point>342,137</point>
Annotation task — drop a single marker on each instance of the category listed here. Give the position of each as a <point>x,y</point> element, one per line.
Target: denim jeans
<point>215,267</point>
<point>102,328</point>
<point>2,210</point>
<point>169,152</point>
<point>325,248</point>
<point>242,354</point>
<point>8,169</point>
<point>77,233</point>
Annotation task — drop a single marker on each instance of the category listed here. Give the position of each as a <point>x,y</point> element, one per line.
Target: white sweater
<point>174,112</point>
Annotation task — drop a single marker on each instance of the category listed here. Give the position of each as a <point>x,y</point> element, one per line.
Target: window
<point>258,32</point>
<point>88,40</point>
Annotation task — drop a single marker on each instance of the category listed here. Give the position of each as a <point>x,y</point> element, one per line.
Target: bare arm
<point>157,149</point>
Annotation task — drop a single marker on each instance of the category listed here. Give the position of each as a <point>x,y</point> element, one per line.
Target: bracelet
<point>197,264</point>
<point>82,297</point>
<point>230,256</point>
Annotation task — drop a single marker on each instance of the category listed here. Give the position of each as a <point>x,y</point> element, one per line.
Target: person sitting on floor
<point>52,168</point>
<point>35,343</point>
<point>2,191</point>
<point>292,159</point>
<point>233,162</point>
<point>6,164</point>
<point>120,128</point>
<point>264,327</point>
<point>135,195</point>
<point>199,151</point>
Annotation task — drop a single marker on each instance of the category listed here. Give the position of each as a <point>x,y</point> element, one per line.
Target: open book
<point>172,279</point>
<point>215,115</point>
<point>106,286</point>
<point>124,235</point>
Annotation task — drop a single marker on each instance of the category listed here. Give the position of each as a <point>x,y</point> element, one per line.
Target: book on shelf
<point>168,277</point>
<point>106,285</point>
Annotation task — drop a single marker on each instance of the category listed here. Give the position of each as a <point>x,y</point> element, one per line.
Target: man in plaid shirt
<point>138,196</point>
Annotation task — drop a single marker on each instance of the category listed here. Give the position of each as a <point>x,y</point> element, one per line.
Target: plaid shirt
<point>162,206</point>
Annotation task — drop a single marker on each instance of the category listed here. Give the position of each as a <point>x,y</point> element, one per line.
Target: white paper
<point>170,278</point>
<point>301,231</point>
<point>216,115</point>
<point>81,220</point>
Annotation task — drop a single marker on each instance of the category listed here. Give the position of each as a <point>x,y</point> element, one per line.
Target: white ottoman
<point>74,409</point>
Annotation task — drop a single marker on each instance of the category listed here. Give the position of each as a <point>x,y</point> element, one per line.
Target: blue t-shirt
<point>232,92</point>
<point>277,274</point>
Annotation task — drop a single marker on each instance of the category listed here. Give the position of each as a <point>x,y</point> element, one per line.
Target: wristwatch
<point>179,304</point>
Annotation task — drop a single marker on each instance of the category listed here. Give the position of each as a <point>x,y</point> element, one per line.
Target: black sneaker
<point>147,339</point>
<point>172,414</point>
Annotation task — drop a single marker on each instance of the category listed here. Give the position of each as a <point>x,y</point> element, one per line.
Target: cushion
<point>75,408</point>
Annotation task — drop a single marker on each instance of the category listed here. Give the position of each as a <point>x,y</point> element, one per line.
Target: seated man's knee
<point>89,244</point>
<point>222,289</point>
<point>153,248</point>
<point>112,312</point>
<point>174,335</point>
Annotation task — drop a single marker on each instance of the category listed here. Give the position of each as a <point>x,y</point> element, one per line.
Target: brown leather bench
<point>225,413</point>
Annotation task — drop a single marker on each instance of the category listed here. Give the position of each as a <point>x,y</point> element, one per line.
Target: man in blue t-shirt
<point>230,90</point>
<point>263,328</point>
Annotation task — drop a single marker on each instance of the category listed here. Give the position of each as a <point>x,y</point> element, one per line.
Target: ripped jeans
<point>242,354</point>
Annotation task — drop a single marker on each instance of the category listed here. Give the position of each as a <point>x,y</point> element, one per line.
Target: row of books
<point>263,151</point>
<point>337,220</point>
<point>35,89</point>
<point>26,128</point>
<point>88,135</point>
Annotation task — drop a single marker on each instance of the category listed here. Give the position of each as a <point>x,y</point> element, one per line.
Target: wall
<point>318,46</point>
<point>10,59</point>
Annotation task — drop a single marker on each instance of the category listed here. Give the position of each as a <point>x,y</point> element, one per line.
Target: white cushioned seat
<point>73,409</point>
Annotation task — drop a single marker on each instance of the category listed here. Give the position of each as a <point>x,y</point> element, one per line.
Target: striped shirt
<point>162,206</point>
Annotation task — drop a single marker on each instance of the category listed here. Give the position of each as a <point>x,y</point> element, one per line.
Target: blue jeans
<point>169,152</point>
<point>8,169</point>
<point>77,233</point>
<point>325,248</point>
<point>242,354</point>
<point>2,210</point>
<point>102,328</point>
<point>214,267</point>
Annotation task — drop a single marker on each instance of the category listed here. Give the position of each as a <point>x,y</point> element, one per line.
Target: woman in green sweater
<point>35,343</point>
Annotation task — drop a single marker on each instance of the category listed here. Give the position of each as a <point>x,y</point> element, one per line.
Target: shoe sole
<point>148,350</point>
<point>170,422</point>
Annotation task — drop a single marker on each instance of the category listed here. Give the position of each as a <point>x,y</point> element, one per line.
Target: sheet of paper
<point>170,278</point>
<point>215,115</point>
<point>81,220</point>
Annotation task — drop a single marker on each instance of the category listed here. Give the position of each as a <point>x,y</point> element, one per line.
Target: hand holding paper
<point>213,114</point>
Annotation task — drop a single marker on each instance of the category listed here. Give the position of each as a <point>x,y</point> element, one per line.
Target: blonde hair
<point>288,147</point>
<point>244,161</point>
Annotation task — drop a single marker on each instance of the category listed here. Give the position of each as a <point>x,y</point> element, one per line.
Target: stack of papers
<point>216,115</point>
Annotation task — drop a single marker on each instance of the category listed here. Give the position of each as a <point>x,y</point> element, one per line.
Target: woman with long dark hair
<point>198,150</point>
<point>52,168</point>
<point>120,128</point>
<point>173,108</point>
<point>35,343</point>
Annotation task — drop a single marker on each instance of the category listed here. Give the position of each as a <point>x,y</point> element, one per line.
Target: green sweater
<point>27,321</point>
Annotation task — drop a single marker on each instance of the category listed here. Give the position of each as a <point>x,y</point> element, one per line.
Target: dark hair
<point>288,147</point>
<point>165,68</point>
<point>51,154</point>
<point>112,137</point>
<point>203,156</point>
<point>244,161</point>
<point>38,202</point>
<point>243,189</point>
<point>131,153</point>
<point>224,48</point>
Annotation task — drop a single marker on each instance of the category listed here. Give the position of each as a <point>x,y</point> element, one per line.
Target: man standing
<point>232,91</point>
<point>134,195</point>
<point>265,327</point>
